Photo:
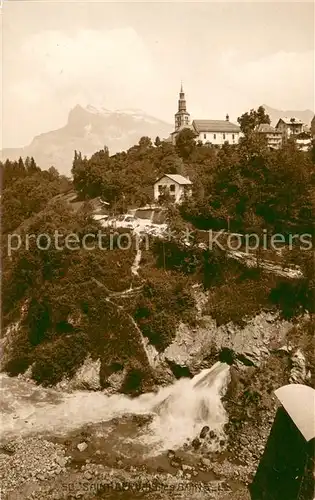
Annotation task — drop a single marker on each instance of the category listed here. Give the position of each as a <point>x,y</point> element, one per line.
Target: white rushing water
<point>179,410</point>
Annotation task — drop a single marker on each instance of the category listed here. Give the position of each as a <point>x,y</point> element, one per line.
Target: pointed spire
<point>182,116</point>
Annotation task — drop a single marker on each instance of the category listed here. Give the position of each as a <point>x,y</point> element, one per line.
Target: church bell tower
<point>182,117</point>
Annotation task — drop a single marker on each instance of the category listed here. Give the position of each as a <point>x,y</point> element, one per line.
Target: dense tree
<point>145,143</point>
<point>250,120</point>
<point>157,141</point>
<point>185,143</point>
<point>27,190</point>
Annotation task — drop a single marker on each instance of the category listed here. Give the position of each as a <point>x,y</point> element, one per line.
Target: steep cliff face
<point>249,345</point>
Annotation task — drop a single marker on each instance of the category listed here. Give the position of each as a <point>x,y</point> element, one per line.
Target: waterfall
<point>178,411</point>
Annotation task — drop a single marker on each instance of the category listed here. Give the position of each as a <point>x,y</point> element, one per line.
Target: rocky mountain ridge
<point>88,130</point>
<point>275,114</point>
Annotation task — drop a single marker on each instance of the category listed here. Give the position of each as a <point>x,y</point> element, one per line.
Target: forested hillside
<point>64,301</point>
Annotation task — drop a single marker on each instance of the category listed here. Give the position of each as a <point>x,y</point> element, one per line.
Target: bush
<point>166,300</point>
<point>58,359</point>
<point>239,300</point>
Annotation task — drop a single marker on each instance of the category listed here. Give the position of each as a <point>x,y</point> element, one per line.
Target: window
<point>205,136</point>
<point>233,137</point>
<point>160,188</point>
<point>223,136</point>
<point>214,136</point>
<point>172,188</point>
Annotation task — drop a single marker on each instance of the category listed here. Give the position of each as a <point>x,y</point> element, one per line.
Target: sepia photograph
<point>157,250</point>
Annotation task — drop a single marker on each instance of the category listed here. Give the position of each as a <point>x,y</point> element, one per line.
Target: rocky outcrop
<point>298,373</point>
<point>87,377</point>
<point>248,345</point>
<point>6,343</point>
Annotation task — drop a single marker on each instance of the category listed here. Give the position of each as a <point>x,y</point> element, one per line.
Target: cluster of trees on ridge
<point>26,189</point>
<point>247,184</point>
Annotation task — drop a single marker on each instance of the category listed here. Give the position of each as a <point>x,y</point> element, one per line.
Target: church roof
<point>215,126</point>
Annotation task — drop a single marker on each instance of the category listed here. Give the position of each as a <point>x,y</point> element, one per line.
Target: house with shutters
<point>175,185</point>
<point>289,127</point>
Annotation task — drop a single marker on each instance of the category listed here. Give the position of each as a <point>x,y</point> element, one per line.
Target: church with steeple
<point>182,117</point>
<point>209,132</point>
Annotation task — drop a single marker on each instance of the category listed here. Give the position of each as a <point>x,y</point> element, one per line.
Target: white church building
<point>216,132</point>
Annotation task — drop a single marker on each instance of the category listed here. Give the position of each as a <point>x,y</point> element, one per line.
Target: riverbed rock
<point>196,443</point>
<point>176,462</point>
<point>62,461</point>
<point>33,458</point>
<point>205,461</point>
<point>82,446</point>
<point>204,432</point>
<point>187,468</point>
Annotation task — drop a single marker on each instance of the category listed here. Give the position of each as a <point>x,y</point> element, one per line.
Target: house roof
<point>266,128</point>
<point>179,179</point>
<point>287,121</point>
<point>215,126</point>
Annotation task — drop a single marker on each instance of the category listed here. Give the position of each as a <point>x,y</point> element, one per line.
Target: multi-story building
<point>304,141</point>
<point>289,127</point>
<point>273,136</point>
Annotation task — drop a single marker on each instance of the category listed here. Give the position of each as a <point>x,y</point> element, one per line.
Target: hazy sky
<point>230,56</point>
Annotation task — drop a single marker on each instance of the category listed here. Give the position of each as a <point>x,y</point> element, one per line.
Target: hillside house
<point>304,141</point>
<point>273,136</point>
<point>289,127</point>
<point>176,185</point>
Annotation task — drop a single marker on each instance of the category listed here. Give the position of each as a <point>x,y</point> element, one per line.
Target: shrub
<point>54,360</point>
